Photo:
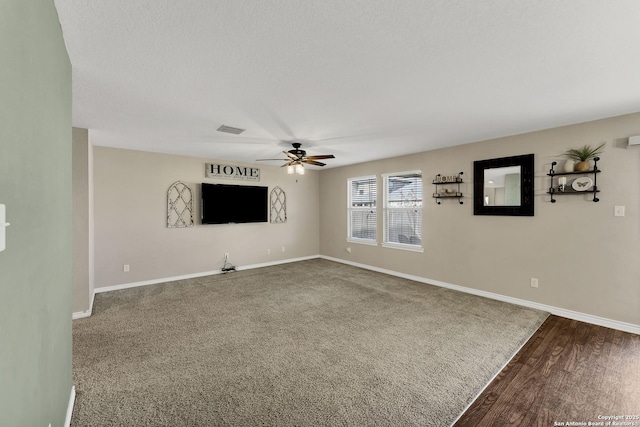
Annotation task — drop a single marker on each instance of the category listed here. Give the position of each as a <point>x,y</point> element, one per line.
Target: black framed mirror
<point>503,186</point>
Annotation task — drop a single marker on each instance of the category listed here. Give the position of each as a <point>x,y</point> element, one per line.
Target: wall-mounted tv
<point>224,204</point>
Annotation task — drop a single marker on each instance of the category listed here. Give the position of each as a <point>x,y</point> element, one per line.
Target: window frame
<point>351,209</point>
<point>386,209</point>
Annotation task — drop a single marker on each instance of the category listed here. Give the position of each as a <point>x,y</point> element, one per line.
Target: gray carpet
<point>308,343</point>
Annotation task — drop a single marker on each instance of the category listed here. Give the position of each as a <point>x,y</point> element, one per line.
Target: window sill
<point>403,247</point>
<point>362,241</point>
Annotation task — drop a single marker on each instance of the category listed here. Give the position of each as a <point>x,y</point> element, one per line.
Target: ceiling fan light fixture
<point>296,158</point>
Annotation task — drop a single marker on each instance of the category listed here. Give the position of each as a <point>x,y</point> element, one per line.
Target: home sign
<point>215,170</point>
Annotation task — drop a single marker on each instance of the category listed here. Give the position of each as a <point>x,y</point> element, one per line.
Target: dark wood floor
<point>568,372</point>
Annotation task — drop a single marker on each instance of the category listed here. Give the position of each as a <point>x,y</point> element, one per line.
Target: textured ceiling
<point>362,79</point>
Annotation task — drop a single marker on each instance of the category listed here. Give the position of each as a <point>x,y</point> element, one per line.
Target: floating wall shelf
<point>554,190</point>
<point>448,187</point>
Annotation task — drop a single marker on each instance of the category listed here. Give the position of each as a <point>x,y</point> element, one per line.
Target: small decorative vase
<point>582,166</point>
<point>569,165</point>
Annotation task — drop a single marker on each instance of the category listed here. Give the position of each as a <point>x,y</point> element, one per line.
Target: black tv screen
<point>224,204</point>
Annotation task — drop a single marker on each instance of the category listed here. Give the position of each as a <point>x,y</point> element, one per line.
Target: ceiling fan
<point>296,158</point>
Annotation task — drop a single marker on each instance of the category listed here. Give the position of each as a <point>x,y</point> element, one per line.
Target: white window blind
<point>403,210</point>
<point>362,210</point>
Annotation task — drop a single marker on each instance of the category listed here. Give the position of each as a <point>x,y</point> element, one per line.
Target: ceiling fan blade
<point>322,156</point>
<point>312,162</point>
<point>262,160</point>
<point>292,156</point>
<point>291,163</point>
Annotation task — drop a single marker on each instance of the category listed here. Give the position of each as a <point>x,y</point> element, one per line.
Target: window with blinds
<point>403,210</point>
<point>362,220</point>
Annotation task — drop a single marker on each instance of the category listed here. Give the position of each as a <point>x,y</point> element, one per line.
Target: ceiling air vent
<point>229,129</point>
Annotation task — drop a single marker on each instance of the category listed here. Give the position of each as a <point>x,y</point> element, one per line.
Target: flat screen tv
<point>225,204</point>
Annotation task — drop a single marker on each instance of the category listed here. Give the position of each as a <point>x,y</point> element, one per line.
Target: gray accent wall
<point>585,258</point>
<point>35,184</point>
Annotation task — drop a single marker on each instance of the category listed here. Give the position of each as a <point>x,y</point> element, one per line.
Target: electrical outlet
<point>534,282</point>
<point>125,268</point>
<point>618,211</point>
<point>283,249</point>
<point>268,251</point>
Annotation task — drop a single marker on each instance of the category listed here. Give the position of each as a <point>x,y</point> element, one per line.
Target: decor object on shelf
<point>562,183</point>
<point>179,206</point>
<point>504,186</point>
<point>581,185</point>
<point>583,155</point>
<point>447,190</point>
<point>278,203</point>
<point>569,165</point>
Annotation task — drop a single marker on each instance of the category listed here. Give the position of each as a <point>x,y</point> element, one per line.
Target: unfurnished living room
<point>336,213</point>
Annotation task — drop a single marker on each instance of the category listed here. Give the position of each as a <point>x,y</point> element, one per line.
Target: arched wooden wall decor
<point>179,206</point>
<point>278,202</point>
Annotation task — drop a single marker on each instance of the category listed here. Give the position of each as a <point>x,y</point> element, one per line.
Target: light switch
<point>618,211</point>
<point>3,226</point>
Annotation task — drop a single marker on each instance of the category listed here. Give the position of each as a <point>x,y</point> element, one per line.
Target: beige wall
<point>80,189</point>
<point>130,205</point>
<point>586,259</point>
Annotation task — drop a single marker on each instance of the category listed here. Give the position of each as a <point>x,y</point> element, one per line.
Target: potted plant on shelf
<point>582,156</point>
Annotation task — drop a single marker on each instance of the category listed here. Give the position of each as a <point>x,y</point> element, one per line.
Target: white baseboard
<point>86,313</point>
<point>570,314</point>
<point>81,314</point>
<point>194,275</point>
<point>154,281</point>
<point>575,315</point>
<point>269,264</point>
<point>72,399</point>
